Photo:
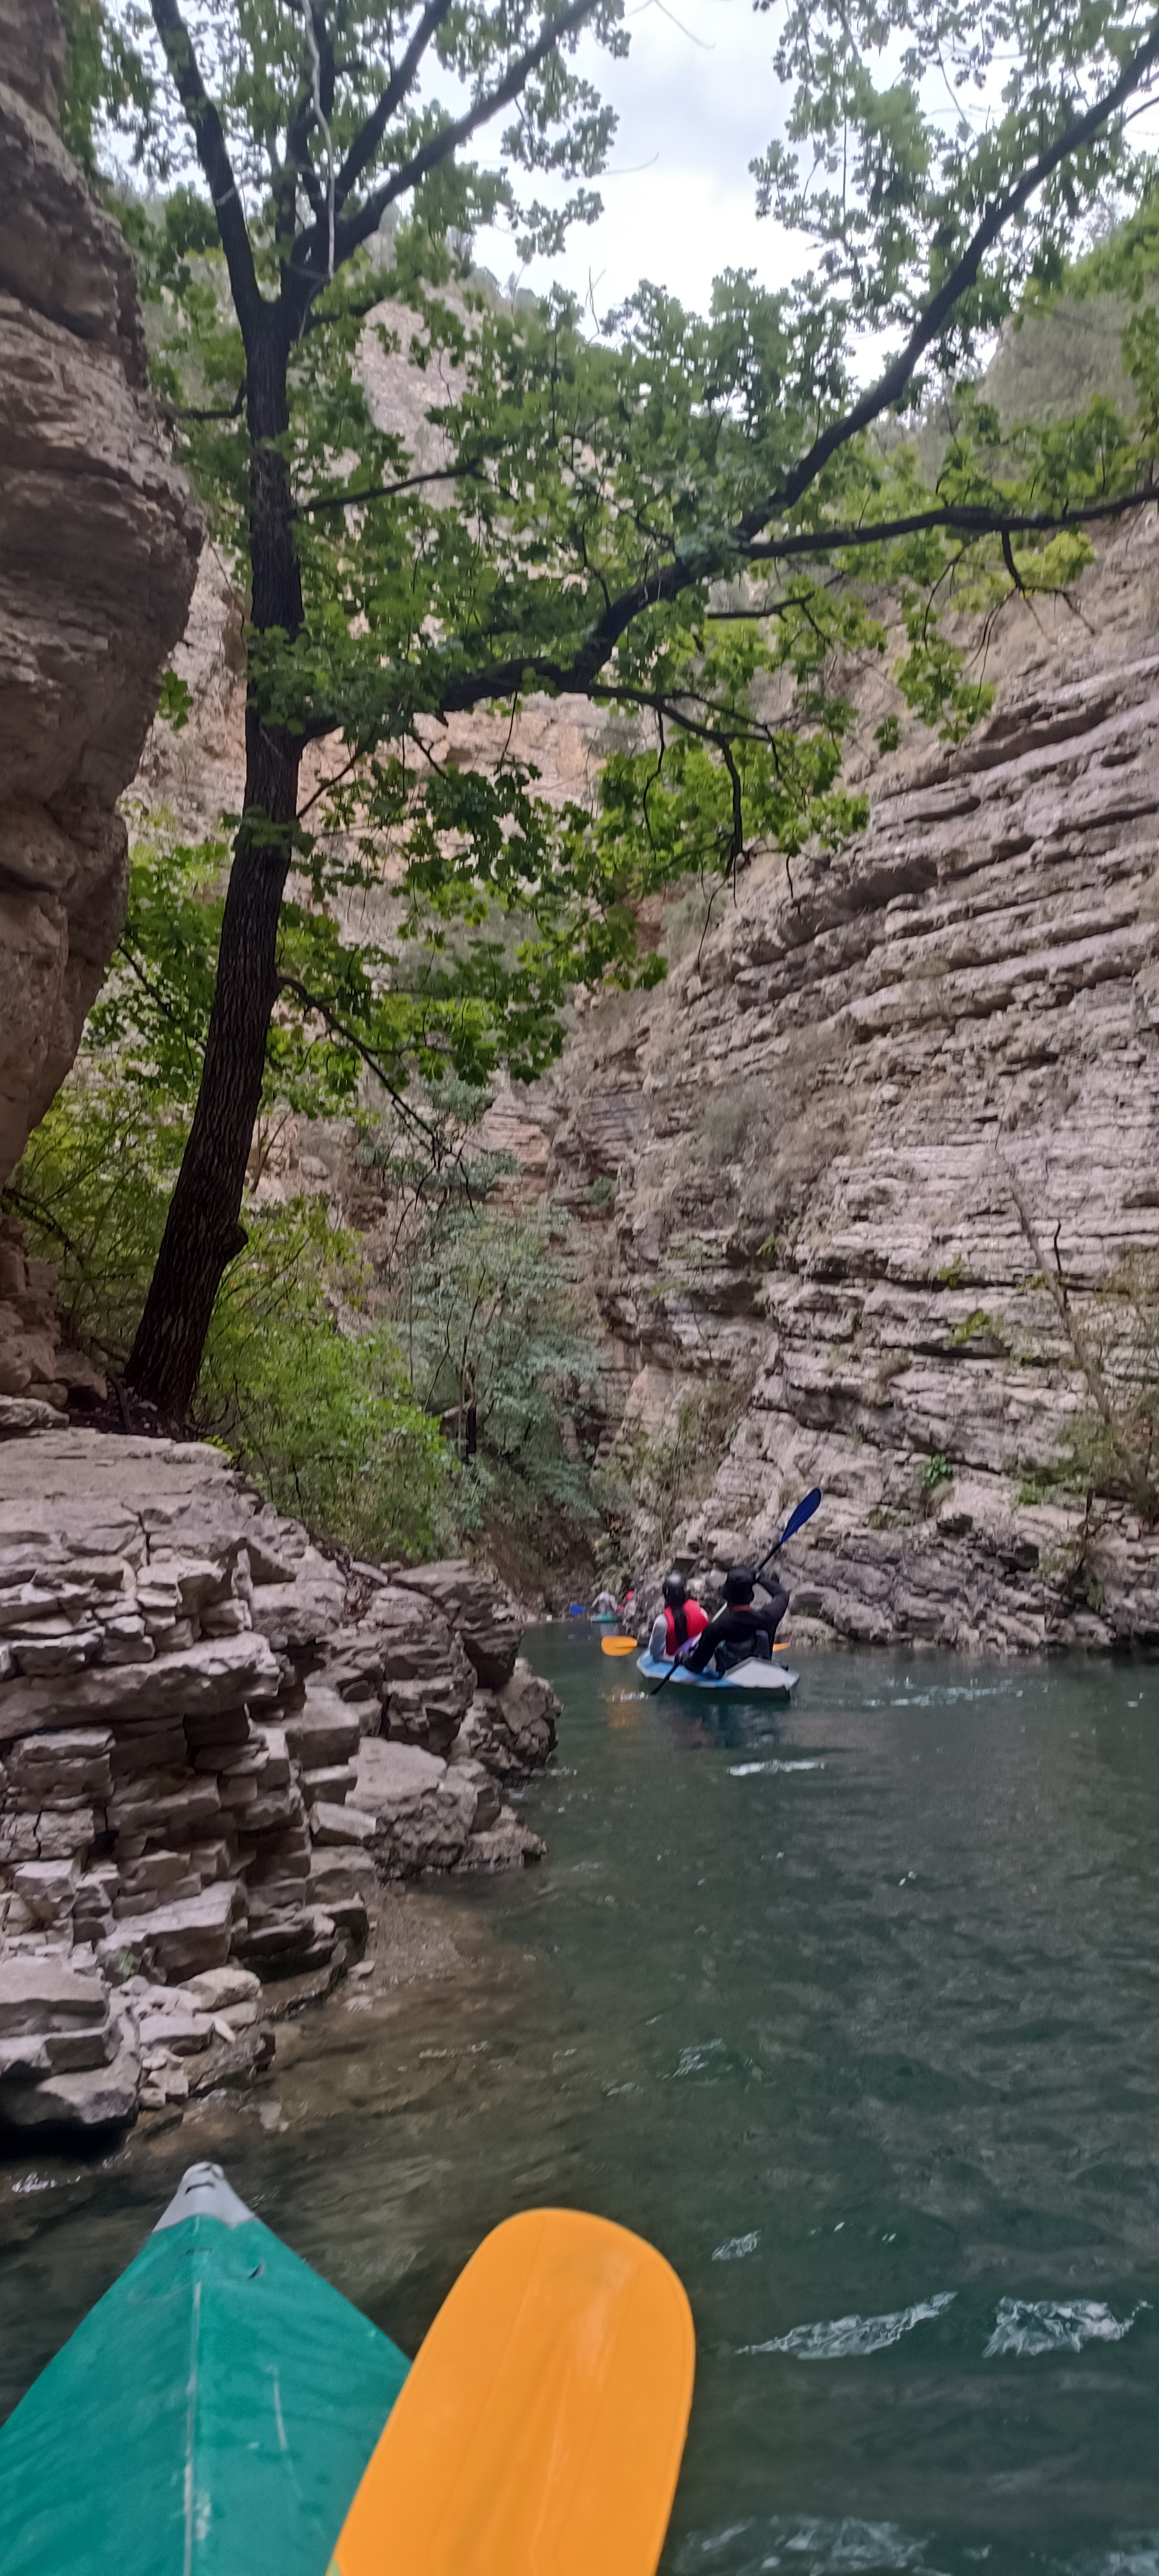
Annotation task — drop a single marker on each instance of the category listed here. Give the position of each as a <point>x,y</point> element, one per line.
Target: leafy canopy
<point>694,523</point>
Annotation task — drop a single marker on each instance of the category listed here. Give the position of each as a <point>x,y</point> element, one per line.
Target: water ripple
<point>1031,2326</point>
<point>849,2338</point>
<point>809,2544</point>
<point>745,1770</point>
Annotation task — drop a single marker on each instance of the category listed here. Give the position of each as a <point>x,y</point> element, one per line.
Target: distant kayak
<point>753,1675</point>
<point>213,2413</point>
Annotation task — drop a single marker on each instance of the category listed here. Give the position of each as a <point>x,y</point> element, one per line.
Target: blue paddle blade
<point>804,1512</point>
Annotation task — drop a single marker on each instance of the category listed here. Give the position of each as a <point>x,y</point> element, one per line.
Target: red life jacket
<point>684,1623</point>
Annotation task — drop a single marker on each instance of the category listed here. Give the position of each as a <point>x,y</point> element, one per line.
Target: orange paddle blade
<point>619,1646</point>
<point>541,2428</point>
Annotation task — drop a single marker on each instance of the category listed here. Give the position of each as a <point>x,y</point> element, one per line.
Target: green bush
<point>317,1410</point>
<point>397,1404</point>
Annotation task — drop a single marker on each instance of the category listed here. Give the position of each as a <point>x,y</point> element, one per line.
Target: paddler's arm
<point>778,1604</point>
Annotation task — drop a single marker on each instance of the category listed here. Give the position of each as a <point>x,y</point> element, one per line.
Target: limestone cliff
<point>98,550</point>
<point>886,1197</point>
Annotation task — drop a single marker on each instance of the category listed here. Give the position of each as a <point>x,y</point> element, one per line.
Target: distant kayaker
<point>742,1626</point>
<point>604,1606</point>
<point>678,1623</point>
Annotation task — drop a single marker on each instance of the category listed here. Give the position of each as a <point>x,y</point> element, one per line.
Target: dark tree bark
<point>202,1232</point>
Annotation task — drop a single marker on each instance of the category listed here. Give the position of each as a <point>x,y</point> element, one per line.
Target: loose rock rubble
<point>208,1762</point>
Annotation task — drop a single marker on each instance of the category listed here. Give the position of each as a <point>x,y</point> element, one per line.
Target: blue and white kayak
<point>753,1675</point>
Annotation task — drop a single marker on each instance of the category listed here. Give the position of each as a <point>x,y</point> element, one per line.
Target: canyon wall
<point>867,1191</point>
<point>98,550</point>
<point>882,1163</point>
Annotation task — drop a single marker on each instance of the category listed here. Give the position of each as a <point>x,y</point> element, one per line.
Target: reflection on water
<point>851,2008</point>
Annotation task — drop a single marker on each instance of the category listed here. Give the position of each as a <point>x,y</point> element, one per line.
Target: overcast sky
<point>697,100</point>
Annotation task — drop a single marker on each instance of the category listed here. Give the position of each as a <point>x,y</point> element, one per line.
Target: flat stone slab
<point>44,1993</point>
<point>218,1673</point>
<point>183,1939</point>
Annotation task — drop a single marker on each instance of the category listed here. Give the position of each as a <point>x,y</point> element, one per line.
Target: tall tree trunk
<point>202,1232</point>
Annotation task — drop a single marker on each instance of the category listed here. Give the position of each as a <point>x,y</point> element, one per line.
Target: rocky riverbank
<point>214,1745</point>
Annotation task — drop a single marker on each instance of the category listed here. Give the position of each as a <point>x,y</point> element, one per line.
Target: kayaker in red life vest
<point>741,1626</point>
<point>678,1622</point>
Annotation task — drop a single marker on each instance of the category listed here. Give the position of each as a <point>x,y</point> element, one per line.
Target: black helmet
<point>674,1592</point>
<point>739,1585</point>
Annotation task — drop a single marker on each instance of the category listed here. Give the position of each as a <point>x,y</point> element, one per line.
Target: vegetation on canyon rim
<point>690,520</point>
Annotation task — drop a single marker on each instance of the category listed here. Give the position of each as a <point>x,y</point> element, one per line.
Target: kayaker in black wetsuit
<point>742,1626</point>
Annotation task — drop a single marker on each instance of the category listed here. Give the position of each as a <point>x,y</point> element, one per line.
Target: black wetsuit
<point>742,1628</point>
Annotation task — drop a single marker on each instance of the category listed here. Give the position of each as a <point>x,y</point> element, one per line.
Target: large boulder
<point>430,1713</point>
<point>100,2098</point>
<point>478,1608</point>
<point>424,1809</point>
<point>513,1730</point>
<point>504,1845</point>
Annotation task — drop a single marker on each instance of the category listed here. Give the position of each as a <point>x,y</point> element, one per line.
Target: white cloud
<point>697,100</point>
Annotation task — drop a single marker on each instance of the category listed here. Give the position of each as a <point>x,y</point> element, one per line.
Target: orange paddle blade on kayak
<point>541,2428</point>
<point>619,1646</point>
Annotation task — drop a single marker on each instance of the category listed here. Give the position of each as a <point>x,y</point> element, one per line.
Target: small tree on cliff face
<point>679,518</point>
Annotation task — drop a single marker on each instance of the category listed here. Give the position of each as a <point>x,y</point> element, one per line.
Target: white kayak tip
<point>203,2192</point>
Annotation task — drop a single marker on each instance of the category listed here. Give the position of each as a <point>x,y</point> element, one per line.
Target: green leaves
<point>175,700</point>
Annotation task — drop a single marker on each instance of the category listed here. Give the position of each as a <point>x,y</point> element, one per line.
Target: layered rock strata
<point>883,1155</point>
<point>212,1748</point>
<point>98,552</point>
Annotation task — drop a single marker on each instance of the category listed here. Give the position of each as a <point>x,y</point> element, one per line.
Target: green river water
<point>852,2009</point>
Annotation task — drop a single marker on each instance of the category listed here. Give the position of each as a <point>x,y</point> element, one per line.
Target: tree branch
<point>367,141</point>
<point>978,519</point>
<point>385,491</point>
<point>349,236</point>
<point>932,321</point>
<point>183,411</point>
<point>312,1002</point>
<point>579,677</point>
<point>215,161</point>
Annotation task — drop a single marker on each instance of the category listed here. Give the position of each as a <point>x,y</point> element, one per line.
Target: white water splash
<point>735,2247</point>
<point>746,1770</point>
<point>1030,2326</point>
<point>805,2544</point>
<point>693,2061</point>
<point>1132,2553</point>
<point>851,2338</point>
